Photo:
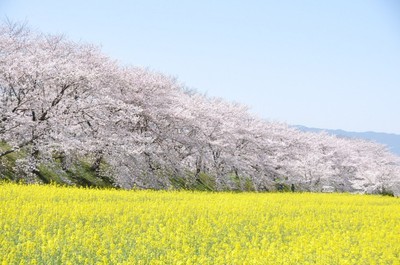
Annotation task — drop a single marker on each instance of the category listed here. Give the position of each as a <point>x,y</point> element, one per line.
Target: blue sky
<point>327,64</point>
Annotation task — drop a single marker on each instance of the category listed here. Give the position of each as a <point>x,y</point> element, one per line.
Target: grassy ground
<point>65,225</point>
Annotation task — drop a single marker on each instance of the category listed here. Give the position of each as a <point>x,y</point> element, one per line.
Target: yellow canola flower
<point>65,225</point>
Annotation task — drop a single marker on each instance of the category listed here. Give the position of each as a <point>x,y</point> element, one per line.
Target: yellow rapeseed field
<point>60,225</point>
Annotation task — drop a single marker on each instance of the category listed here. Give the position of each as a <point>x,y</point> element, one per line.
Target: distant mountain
<point>392,141</point>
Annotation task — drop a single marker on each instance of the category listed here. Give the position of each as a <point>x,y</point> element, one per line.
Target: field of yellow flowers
<point>60,225</point>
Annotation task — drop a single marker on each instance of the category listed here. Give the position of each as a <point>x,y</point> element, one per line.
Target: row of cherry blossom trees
<point>61,102</point>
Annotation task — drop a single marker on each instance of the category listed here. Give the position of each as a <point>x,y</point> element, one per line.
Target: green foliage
<point>84,175</point>
<point>202,182</point>
<point>248,185</point>
<point>242,183</point>
<point>52,173</point>
<point>7,163</point>
<point>80,173</point>
<point>282,187</point>
<point>205,182</point>
<point>386,192</point>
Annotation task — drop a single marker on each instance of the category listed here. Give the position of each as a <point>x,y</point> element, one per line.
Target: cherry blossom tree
<point>65,100</point>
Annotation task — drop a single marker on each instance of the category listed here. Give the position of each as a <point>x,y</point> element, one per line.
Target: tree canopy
<point>63,102</point>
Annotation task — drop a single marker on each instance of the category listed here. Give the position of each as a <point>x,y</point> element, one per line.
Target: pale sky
<point>326,64</point>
